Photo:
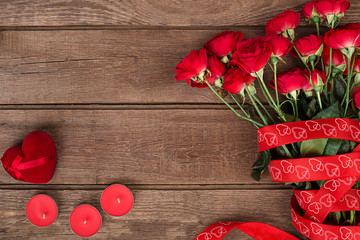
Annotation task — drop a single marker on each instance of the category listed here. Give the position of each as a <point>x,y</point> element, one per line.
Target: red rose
<point>340,39</point>
<point>235,79</point>
<point>309,11</point>
<point>191,67</point>
<point>356,97</point>
<point>351,26</point>
<point>216,69</point>
<point>330,8</point>
<point>337,59</point>
<point>280,45</point>
<point>284,23</point>
<point>318,78</point>
<point>251,54</point>
<point>290,81</point>
<point>223,43</point>
<point>310,45</point>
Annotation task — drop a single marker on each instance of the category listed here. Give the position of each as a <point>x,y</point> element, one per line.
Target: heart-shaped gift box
<point>34,161</point>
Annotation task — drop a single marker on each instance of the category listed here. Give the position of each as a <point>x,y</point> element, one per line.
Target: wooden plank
<point>146,13</point>
<point>110,66</point>
<point>156,214</point>
<point>166,146</point>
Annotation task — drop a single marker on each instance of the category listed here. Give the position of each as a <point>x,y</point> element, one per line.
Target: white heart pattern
<point>332,185</point>
<point>346,234</point>
<point>275,173</point>
<point>307,197</point>
<point>283,129</point>
<point>287,166</point>
<point>304,229</point>
<point>332,170</point>
<point>355,132</point>
<point>317,229</point>
<point>329,130</point>
<point>357,165</point>
<point>316,165</point>
<point>327,200</point>
<point>204,236</point>
<point>218,231</point>
<point>351,201</point>
<point>271,139</point>
<point>302,172</point>
<point>346,161</point>
<point>312,125</point>
<point>299,133</point>
<point>342,124</point>
<point>315,207</point>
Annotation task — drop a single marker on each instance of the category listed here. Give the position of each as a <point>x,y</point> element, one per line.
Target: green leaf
<point>344,147</point>
<point>330,112</point>
<point>313,148</point>
<point>312,109</point>
<point>339,88</point>
<point>332,147</point>
<point>261,164</point>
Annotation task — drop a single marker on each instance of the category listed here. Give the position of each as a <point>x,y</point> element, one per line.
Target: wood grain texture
<point>140,146</point>
<point>156,214</point>
<point>145,13</point>
<point>107,66</point>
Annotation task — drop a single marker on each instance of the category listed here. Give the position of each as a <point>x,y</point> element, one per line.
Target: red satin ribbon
<point>340,171</point>
<point>258,231</point>
<point>17,166</point>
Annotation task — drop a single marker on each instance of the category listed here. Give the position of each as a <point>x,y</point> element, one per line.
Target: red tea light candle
<point>41,210</point>
<point>116,200</point>
<point>85,220</point>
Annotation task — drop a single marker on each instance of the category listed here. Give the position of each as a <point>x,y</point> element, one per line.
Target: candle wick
<point>118,200</point>
<point>44,216</point>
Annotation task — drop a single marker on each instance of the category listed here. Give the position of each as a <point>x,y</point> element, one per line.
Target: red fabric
<point>34,161</point>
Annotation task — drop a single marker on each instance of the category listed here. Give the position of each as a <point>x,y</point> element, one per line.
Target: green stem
<point>257,124</point>
<point>298,53</point>
<point>263,107</point>
<point>352,218</point>
<point>296,109</point>
<point>255,106</point>
<point>317,28</point>
<point>270,99</point>
<point>239,105</point>
<point>319,100</point>
<point>348,86</point>
<point>276,86</point>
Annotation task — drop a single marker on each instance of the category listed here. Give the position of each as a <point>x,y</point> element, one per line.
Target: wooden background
<point>97,76</point>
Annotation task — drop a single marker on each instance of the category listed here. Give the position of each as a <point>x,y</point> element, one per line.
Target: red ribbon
<point>17,165</point>
<point>340,171</point>
<point>259,231</point>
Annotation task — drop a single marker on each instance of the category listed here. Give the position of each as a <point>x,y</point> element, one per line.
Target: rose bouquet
<point>308,129</point>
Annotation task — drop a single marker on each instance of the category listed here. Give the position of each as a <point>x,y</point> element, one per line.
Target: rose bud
<point>235,81</point>
<point>356,97</point>
<point>193,68</point>
<point>345,40</point>
<point>290,82</point>
<point>223,44</point>
<point>309,12</point>
<point>283,24</point>
<point>280,46</point>
<point>338,61</point>
<point>310,46</point>
<point>316,80</point>
<point>251,55</point>
<point>332,10</point>
<point>217,69</point>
